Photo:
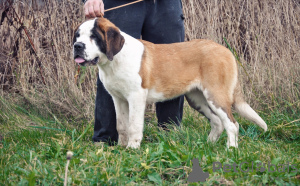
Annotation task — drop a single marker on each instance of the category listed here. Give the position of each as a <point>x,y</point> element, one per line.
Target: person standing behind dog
<point>157,21</point>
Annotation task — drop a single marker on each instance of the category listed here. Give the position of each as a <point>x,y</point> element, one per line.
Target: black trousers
<point>159,21</point>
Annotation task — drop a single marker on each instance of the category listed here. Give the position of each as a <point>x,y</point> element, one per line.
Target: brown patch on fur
<point>172,68</point>
<point>238,94</point>
<point>229,114</point>
<point>111,34</point>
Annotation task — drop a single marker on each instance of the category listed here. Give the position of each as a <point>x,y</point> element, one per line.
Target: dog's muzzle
<point>79,56</point>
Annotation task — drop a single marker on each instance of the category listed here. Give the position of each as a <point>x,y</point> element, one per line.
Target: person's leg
<point>164,24</point>
<point>170,111</point>
<point>129,19</point>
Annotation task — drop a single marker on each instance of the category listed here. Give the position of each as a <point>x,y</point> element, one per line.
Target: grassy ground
<point>33,151</point>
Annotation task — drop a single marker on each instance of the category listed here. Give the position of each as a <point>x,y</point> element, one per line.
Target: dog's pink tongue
<point>79,60</point>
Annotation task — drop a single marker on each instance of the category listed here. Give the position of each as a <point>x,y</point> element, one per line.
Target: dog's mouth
<point>81,61</point>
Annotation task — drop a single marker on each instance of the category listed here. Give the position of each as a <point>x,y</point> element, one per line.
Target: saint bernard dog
<point>136,72</point>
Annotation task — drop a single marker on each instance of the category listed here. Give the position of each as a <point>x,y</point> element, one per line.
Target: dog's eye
<point>93,36</point>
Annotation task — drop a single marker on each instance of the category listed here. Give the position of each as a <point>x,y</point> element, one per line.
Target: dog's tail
<point>245,110</point>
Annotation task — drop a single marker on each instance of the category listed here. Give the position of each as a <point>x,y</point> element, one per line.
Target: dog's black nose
<point>79,45</point>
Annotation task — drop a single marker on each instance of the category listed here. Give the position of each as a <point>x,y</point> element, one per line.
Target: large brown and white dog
<point>136,72</point>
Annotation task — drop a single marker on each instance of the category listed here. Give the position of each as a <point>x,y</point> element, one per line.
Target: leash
<point>123,5</point>
<point>113,8</point>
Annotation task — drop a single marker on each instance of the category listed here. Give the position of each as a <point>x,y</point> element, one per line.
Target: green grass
<point>33,151</point>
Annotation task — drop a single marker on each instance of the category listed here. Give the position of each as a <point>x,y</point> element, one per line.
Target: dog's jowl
<point>136,72</point>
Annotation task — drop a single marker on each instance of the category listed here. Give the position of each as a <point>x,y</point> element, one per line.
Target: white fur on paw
<point>212,138</point>
<point>123,141</point>
<point>233,144</point>
<point>134,144</point>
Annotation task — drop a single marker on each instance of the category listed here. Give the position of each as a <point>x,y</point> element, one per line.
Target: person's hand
<point>93,8</point>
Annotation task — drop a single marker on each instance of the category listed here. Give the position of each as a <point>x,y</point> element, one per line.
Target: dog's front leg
<point>137,103</point>
<point>122,113</point>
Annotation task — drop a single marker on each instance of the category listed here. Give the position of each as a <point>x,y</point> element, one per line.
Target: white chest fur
<point>121,76</point>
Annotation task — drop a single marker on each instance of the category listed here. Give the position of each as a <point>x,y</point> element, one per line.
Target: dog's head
<point>96,39</point>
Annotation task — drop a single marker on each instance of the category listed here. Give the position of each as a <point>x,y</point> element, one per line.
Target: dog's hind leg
<point>122,114</point>
<point>221,105</point>
<point>197,101</point>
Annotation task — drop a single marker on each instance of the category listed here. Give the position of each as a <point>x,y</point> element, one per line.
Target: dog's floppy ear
<point>114,42</point>
<point>113,39</point>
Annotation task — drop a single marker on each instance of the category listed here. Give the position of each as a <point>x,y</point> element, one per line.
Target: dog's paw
<point>123,140</point>
<point>212,138</point>
<point>135,144</point>
<point>122,143</point>
<point>232,145</point>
